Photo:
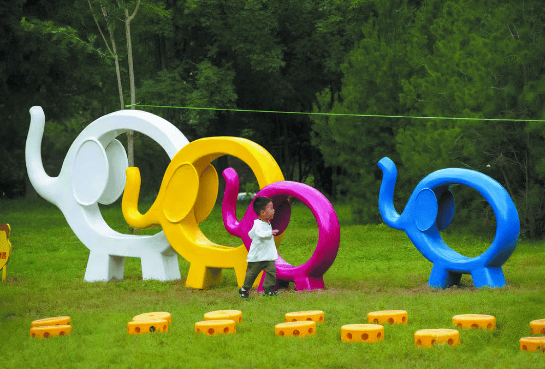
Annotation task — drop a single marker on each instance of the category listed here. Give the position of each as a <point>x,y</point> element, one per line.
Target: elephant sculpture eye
<point>90,172</point>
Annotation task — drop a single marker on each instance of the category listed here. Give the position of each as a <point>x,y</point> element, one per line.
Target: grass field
<point>377,268</point>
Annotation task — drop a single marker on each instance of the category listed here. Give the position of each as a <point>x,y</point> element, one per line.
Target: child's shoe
<point>244,294</point>
<point>270,293</point>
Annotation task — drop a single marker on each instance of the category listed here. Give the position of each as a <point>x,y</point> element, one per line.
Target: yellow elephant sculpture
<point>187,196</point>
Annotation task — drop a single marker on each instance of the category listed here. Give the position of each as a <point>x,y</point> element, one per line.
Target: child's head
<point>260,203</point>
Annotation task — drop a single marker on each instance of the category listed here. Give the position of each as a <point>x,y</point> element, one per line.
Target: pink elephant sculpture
<point>309,275</point>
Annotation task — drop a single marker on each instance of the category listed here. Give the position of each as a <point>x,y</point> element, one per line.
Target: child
<point>262,254</point>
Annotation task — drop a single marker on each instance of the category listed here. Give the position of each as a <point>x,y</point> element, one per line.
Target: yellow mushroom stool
<point>59,320</point>
<point>213,327</point>
<point>311,315</point>
<point>537,326</point>
<point>147,326</point>
<point>388,316</point>
<point>295,329</point>
<point>532,344</point>
<point>153,316</point>
<point>235,315</point>
<point>369,333</point>
<point>47,331</point>
<point>474,321</point>
<point>427,337</point>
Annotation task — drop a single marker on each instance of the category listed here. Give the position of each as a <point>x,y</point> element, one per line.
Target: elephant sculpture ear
<point>181,192</point>
<point>445,213</point>
<point>90,172</point>
<point>118,163</point>
<point>208,193</point>
<point>425,209</point>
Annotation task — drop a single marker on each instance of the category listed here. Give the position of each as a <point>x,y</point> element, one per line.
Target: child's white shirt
<point>263,247</point>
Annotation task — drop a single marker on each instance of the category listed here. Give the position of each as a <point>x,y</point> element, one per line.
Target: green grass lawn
<point>377,268</point>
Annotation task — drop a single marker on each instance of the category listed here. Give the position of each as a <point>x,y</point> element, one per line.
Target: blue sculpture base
<point>441,277</point>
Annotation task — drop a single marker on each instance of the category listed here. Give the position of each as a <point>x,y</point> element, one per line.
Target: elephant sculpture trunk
<point>229,204</point>
<point>35,168</point>
<point>386,195</point>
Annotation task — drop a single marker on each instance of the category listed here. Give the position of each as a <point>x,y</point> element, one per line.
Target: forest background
<point>435,58</point>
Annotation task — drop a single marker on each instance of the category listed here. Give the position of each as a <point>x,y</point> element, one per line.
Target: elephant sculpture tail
<point>129,204</point>
<point>229,204</point>
<point>43,184</point>
<point>386,194</point>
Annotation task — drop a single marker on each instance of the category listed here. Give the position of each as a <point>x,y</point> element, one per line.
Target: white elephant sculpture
<point>93,172</point>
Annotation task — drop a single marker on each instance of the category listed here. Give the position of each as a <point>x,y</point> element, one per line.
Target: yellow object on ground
<point>532,344</point>
<point>235,315</point>
<point>59,320</point>
<point>474,321</point>
<point>5,249</point>
<point>537,326</point>
<point>153,316</point>
<point>388,316</point>
<point>213,327</point>
<point>187,196</point>
<point>50,331</point>
<point>311,315</point>
<point>147,326</point>
<point>428,337</point>
<point>295,329</point>
<point>369,333</point>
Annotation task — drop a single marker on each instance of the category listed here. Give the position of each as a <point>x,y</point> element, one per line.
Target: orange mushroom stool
<point>474,321</point>
<point>295,329</point>
<point>214,327</point>
<point>153,316</point>
<point>369,333</point>
<point>235,315</point>
<point>532,344</point>
<point>311,315</point>
<point>537,326</point>
<point>388,316</point>
<point>427,337</point>
<point>59,320</point>
<point>147,326</point>
<point>46,331</point>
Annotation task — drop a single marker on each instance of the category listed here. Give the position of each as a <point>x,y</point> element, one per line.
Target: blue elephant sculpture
<point>431,209</point>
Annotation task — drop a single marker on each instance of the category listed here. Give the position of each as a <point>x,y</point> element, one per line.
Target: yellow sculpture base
<point>153,316</point>
<point>311,315</point>
<point>147,326</point>
<point>214,327</point>
<point>235,315</point>
<point>532,344</point>
<point>537,326</point>
<point>369,333</point>
<point>474,321</point>
<point>295,329</point>
<point>388,316</point>
<point>428,337</point>
<point>59,320</point>
<point>50,331</point>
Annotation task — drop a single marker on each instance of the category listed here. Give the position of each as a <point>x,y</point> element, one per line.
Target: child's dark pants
<point>253,270</point>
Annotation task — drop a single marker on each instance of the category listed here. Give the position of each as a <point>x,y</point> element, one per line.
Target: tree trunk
<point>130,134</point>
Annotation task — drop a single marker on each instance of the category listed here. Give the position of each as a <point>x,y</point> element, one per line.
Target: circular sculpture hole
<point>281,333</point>
<point>294,320</point>
<point>379,335</point>
<point>404,319</point>
<point>365,336</point>
<point>309,319</point>
<point>61,333</point>
<point>152,329</point>
<point>375,320</point>
<point>296,332</point>
<point>211,331</point>
<point>137,329</point>
<point>46,334</point>
<point>432,342</point>
<point>349,336</point>
<point>390,321</point>
<point>419,343</point>
<point>33,334</point>
<point>322,319</point>
<point>459,325</point>
<point>310,330</point>
<point>450,341</point>
<point>474,326</point>
<point>524,347</point>
<point>240,319</point>
<point>164,328</point>
<point>489,326</point>
<point>198,330</point>
<point>543,331</point>
<point>226,330</point>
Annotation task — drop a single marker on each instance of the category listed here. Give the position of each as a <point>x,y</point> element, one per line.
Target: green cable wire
<point>335,114</point>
